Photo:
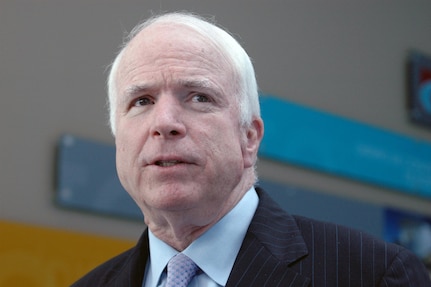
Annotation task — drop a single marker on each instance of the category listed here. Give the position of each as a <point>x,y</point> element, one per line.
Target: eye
<point>201,98</point>
<point>143,101</point>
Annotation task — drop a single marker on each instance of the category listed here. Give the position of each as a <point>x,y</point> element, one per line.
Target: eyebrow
<point>136,89</point>
<point>194,84</point>
<point>201,85</point>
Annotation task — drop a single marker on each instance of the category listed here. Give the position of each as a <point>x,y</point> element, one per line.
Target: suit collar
<point>273,242</point>
<point>133,271</point>
<point>277,230</point>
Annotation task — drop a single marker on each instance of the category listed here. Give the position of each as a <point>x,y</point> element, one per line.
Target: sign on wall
<point>87,179</point>
<point>419,69</point>
<point>296,134</point>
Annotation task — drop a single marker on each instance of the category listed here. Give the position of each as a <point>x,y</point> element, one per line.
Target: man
<point>185,114</point>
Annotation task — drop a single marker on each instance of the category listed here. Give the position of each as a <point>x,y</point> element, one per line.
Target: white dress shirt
<point>214,251</point>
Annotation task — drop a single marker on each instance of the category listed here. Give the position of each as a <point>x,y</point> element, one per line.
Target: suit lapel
<point>273,242</point>
<point>132,273</point>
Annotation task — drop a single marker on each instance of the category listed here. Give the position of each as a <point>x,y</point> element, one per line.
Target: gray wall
<point>343,57</point>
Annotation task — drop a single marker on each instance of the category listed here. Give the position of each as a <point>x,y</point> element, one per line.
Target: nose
<point>167,119</point>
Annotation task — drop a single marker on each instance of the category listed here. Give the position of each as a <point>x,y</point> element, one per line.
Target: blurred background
<point>344,58</point>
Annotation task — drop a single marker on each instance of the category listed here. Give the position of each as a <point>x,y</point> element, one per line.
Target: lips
<point>167,163</point>
<point>169,160</point>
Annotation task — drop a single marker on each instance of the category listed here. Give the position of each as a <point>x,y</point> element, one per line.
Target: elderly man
<point>185,114</point>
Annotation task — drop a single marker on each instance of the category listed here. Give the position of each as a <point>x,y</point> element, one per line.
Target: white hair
<point>236,56</point>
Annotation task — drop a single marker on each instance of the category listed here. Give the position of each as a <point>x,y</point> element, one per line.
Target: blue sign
<point>299,135</point>
<point>87,179</point>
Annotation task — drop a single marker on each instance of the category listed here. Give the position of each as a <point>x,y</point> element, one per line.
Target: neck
<point>180,228</point>
<point>177,237</point>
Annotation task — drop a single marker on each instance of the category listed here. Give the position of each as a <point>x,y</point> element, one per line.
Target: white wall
<point>343,57</point>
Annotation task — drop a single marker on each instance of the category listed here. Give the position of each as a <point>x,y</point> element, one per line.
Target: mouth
<point>167,163</point>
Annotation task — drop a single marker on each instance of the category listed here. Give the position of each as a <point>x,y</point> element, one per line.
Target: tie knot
<point>181,270</point>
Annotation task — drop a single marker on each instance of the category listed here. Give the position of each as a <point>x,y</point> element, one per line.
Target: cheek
<point>121,162</point>
<point>228,145</point>
<point>126,151</point>
<point>121,151</point>
<point>127,137</point>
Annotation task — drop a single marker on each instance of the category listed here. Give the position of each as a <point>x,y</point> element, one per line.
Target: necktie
<point>181,270</point>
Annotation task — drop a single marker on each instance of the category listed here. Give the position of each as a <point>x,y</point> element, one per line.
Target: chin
<point>174,200</point>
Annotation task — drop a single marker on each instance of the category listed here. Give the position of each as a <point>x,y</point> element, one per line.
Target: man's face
<point>179,143</point>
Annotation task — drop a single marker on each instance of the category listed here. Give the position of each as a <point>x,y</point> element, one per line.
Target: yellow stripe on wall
<point>39,256</point>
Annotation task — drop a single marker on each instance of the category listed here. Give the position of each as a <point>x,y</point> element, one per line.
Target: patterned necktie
<point>181,270</point>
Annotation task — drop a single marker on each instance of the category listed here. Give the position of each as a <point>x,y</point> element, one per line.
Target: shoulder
<point>339,254</point>
<point>126,269</point>
<point>320,235</point>
<point>105,273</point>
<point>356,256</point>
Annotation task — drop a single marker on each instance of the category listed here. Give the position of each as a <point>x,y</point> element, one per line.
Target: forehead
<point>169,46</point>
<point>164,36</point>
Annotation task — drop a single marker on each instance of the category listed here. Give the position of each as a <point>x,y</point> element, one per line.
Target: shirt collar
<point>214,251</point>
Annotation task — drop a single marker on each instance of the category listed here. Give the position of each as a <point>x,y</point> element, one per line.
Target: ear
<point>253,137</point>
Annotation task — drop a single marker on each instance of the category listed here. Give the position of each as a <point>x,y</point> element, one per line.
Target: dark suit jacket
<point>284,250</point>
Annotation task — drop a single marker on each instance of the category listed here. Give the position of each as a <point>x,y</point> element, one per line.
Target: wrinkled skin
<point>181,152</point>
